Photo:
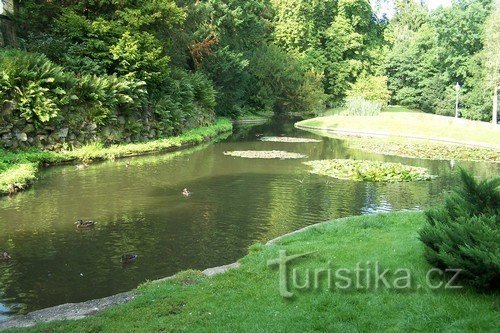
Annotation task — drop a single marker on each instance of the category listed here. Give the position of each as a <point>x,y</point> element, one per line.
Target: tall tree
<point>492,56</point>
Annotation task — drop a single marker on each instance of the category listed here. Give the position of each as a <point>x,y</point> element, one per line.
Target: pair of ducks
<point>127,258</point>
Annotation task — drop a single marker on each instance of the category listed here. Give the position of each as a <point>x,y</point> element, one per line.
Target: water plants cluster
<point>288,139</point>
<point>265,154</point>
<point>373,171</point>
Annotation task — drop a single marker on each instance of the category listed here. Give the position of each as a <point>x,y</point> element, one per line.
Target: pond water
<point>235,202</point>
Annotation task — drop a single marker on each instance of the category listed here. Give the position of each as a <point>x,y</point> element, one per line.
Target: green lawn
<point>413,124</point>
<point>18,169</point>
<point>248,299</point>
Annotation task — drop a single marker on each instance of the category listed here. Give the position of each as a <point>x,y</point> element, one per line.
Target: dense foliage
<point>186,61</point>
<point>432,51</point>
<point>465,233</point>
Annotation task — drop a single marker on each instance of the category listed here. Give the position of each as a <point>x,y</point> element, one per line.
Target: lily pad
<point>287,139</point>
<point>373,171</point>
<point>265,154</point>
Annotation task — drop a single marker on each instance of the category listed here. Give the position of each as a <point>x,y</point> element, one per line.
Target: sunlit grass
<point>413,124</point>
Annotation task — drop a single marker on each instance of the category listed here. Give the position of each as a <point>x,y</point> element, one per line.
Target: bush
<point>358,106</point>
<point>371,88</point>
<point>465,233</point>
<point>36,87</point>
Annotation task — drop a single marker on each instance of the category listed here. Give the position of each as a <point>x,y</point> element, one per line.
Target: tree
<point>492,58</point>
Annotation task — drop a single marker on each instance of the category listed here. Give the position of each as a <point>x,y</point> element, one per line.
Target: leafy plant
<point>34,85</point>
<point>372,171</point>
<point>465,233</point>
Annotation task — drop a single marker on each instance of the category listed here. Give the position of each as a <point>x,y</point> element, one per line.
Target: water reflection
<point>235,202</point>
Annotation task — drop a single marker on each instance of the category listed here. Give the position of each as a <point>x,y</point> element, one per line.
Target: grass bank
<point>248,299</point>
<point>414,134</point>
<point>413,124</point>
<point>18,169</point>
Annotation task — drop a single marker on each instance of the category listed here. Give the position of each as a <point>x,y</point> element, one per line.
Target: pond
<point>234,203</point>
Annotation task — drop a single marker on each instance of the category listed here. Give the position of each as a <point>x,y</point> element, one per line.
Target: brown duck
<point>129,258</point>
<point>81,224</point>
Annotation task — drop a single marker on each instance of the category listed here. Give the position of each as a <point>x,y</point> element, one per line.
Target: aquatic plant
<point>373,171</point>
<point>265,154</point>
<point>288,139</point>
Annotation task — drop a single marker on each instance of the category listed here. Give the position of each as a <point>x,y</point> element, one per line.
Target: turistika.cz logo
<point>367,276</point>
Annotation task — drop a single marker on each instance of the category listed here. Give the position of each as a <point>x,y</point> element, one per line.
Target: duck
<point>81,224</point>
<point>127,165</point>
<point>186,193</point>
<point>128,258</point>
<point>4,256</point>
<point>81,166</point>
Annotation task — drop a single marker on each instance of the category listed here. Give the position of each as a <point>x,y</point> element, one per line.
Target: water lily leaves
<point>288,139</point>
<point>373,171</point>
<point>265,154</point>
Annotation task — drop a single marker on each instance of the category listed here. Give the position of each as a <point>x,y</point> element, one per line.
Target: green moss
<point>18,169</point>
<point>248,299</point>
<point>369,171</point>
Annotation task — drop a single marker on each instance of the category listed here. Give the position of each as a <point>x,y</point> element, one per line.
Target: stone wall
<point>61,134</point>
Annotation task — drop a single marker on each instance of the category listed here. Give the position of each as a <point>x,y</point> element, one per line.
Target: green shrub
<point>34,85</point>
<point>465,233</point>
<point>100,97</point>
<point>371,88</point>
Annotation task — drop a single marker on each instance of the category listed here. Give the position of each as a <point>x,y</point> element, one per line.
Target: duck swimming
<point>81,166</point>
<point>186,193</point>
<point>129,258</point>
<point>80,224</point>
<point>4,256</point>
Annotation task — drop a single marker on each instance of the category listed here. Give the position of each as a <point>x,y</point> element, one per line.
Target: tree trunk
<point>7,27</point>
<point>495,105</point>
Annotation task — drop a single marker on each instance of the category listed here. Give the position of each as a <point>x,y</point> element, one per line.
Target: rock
<point>8,108</point>
<point>63,132</point>
<point>29,128</point>
<point>6,129</point>
<point>121,120</point>
<point>92,127</point>
<point>22,136</point>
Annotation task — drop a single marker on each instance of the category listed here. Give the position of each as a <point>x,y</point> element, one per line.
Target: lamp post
<point>457,89</point>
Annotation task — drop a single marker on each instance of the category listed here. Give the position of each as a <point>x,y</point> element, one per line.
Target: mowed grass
<point>414,124</point>
<point>248,300</point>
<point>18,169</point>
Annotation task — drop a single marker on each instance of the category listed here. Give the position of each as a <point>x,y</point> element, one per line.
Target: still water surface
<point>235,202</point>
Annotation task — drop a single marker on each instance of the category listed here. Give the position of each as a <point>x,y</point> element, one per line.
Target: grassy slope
<point>19,168</point>
<point>414,124</point>
<point>247,299</point>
